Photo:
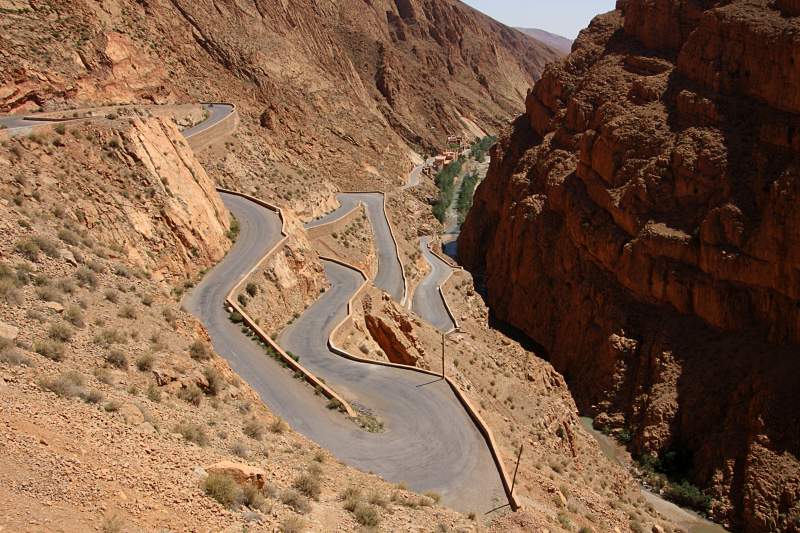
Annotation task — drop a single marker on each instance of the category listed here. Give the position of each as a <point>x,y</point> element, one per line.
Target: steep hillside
<point>561,44</point>
<point>338,90</point>
<point>640,223</point>
<point>116,413</point>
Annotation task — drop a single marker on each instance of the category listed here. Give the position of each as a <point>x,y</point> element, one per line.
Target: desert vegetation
<point>445,182</point>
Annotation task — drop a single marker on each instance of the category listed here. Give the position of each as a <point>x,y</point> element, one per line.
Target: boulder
<point>240,472</point>
<point>7,331</point>
<point>54,306</point>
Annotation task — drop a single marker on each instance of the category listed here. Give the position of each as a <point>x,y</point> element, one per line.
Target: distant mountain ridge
<point>557,42</point>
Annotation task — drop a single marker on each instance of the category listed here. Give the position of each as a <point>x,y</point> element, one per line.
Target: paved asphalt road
<point>217,112</point>
<point>390,272</point>
<point>429,441</point>
<point>414,175</point>
<point>427,301</point>
<point>19,125</point>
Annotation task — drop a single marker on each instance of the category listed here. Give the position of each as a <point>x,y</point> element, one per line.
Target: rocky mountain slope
<point>341,90</point>
<point>559,43</point>
<point>116,414</point>
<point>640,223</point>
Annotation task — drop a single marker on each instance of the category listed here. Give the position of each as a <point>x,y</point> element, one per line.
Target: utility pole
<point>442,355</point>
<point>514,479</point>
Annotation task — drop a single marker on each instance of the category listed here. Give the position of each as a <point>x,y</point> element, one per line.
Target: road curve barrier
<point>223,127</point>
<point>231,302</point>
<point>440,288</point>
<point>316,232</point>
<point>197,141</point>
<point>391,232</point>
<point>479,422</point>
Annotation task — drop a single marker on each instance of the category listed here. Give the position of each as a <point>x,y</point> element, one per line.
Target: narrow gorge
<point>640,223</point>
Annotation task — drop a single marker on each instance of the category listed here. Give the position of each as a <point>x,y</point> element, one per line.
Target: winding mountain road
<point>390,270</point>
<point>23,124</point>
<point>427,301</point>
<point>428,440</point>
<point>217,113</point>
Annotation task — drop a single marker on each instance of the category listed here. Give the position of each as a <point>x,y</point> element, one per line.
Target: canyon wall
<point>641,223</point>
<point>343,91</point>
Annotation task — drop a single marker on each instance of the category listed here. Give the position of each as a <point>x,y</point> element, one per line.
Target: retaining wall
<point>480,424</point>
<point>232,303</point>
<point>226,126</point>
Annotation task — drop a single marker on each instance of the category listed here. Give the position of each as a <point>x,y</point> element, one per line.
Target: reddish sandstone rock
<point>393,332</point>
<point>240,472</point>
<point>641,224</point>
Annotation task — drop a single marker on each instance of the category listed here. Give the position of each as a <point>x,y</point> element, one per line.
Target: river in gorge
<point>685,519</point>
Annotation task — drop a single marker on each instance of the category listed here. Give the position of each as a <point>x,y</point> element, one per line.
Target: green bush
<point>309,485</point>
<point>74,315</point>
<point>67,385</point>
<point>170,316</point>
<point>192,432</point>
<point>48,246</point>
<point>109,336</point>
<point>293,524</point>
<point>145,362</point>
<point>278,426</point>
<point>28,249</point>
<point>69,236</point>
<point>253,429</point>
<point>251,289</point>
<point>94,396</point>
<point>239,449</point>
<point>153,393</point>
<point>224,489</point>
<point>51,349</point>
<point>199,351</point>
<point>127,311</point>
<point>445,181</point>
<point>479,149</point>
<point>687,495</point>
<point>366,514</point>
<point>60,331</point>
<point>117,359</point>
<point>216,383</point>
<point>48,293</point>
<point>624,436</point>
<point>11,356</point>
<point>466,195</point>
<point>233,232</point>
<point>296,501</point>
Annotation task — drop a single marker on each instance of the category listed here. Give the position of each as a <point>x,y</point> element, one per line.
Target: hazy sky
<point>564,17</point>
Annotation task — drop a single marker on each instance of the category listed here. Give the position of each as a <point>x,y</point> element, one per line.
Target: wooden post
<point>442,355</point>
<point>514,479</point>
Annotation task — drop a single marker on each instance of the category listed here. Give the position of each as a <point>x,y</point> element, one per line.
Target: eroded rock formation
<point>640,222</point>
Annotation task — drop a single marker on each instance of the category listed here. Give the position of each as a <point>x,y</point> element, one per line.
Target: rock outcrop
<point>640,223</point>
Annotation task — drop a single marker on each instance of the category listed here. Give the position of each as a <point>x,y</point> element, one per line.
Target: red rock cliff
<point>642,223</point>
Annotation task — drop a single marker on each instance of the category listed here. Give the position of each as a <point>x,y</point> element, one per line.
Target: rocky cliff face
<point>134,183</point>
<point>344,90</point>
<point>640,222</point>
